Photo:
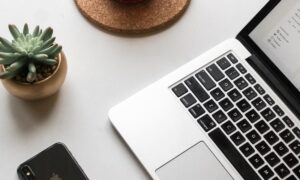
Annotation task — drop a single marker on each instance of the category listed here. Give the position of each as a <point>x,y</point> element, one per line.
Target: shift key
<point>196,88</point>
<point>205,80</point>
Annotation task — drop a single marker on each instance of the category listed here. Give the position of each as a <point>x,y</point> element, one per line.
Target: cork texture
<point>145,17</point>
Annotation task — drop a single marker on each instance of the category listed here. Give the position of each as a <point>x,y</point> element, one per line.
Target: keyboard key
<point>235,115</point>
<point>211,106</point>
<point>282,171</point>
<point>237,138</point>
<point>241,68</point>
<point>271,137</point>
<point>275,178</point>
<point>226,85</point>
<point>262,127</point>
<point>250,79</point>
<point>188,100</point>
<point>243,105</point>
<point>228,127</point>
<point>277,125</point>
<point>205,80</point>
<point>296,131</point>
<point>217,94</point>
<point>278,110</point>
<point>272,159</point>
<point>281,149</point>
<point>234,95</point>
<point>231,153</point>
<point>250,93</point>
<point>259,104</point>
<point>226,104</point>
<point>266,172</point>
<point>268,114</point>
<point>219,116</point>
<point>256,161</point>
<point>206,123</point>
<point>292,177</point>
<point>232,73</point>
<point>223,63</point>
<point>215,72</point>
<point>244,126</point>
<point>288,122</point>
<point>198,91</point>
<point>287,136</point>
<point>247,149</point>
<point>253,136</point>
<point>241,83</point>
<point>263,148</point>
<point>269,100</point>
<point>297,171</point>
<point>290,160</point>
<point>232,58</point>
<point>252,116</point>
<point>259,89</point>
<point>295,147</point>
<point>179,90</point>
<point>197,111</point>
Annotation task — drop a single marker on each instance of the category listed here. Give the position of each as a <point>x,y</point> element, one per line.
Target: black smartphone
<point>54,163</point>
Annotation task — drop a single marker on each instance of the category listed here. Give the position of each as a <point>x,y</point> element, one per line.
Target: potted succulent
<point>32,65</point>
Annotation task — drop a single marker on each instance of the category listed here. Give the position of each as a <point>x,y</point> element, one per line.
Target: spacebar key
<point>233,155</point>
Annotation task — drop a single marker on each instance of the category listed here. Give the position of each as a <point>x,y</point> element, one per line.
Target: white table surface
<point>104,69</point>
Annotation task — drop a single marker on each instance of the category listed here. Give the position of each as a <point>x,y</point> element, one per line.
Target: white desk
<point>103,70</point>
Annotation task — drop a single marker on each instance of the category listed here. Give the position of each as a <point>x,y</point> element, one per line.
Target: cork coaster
<point>144,17</point>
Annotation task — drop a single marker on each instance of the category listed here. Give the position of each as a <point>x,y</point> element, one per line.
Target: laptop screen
<point>278,36</point>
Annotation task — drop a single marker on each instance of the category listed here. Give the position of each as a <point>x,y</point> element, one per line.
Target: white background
<point>104,69</point>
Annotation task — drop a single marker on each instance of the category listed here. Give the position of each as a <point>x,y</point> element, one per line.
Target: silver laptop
<point>231,113</point>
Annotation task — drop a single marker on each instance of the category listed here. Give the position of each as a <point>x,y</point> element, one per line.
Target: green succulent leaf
<point>40,57</point>
<point>7,61</point>
<point>26,29</point>
<point>55,52</point>
<point>4,49</point>
<point>50,62</point>
<point>36,31</point>
<point>9,55</point>
<point>47,34</point>
<point>7,75</point>
<point>31,77</point>
<point>7,44</point>
<point>14,31</point>
<point>31,68</point>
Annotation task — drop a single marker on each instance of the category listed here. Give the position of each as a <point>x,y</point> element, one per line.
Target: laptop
<point>230,114</point>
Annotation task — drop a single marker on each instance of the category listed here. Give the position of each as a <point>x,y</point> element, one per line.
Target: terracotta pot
<point>130,1</point>
<point>40,89</point>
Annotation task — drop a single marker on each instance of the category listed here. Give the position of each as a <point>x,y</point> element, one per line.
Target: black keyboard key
<point>281,149</point>
<point>228,127</point>
<point>247,149</point>
<point>219,116</point>
<point>241,83</point>
<point>287,136</point>
<point>282,171</point>
<point>256,161</point>
<point>236,159</point>
<point>235,115</point>
<point>271,138</point>
<point>292,177</point>
<point>241,68</point>
<point>196,88</point>
<point>188,100</point>
<point>297,171</point>
<point>223,63</point>
<point>234,95</point>
<point>268,114</point>
<point>290,160</point>
<point>277,125</point>
<point>259,104</point>
<point>275,178</point>
<point>232,73</point>
<point>215,72</point>
<point>237,138</point>
<point>269,100</point>
<point>272,159</point>
<point>263,148</point>
<point>278,110</point>
<point>217,94</point>
<point>226,104</point>
<point>243,105</point>
<point>205,80</point>
<point>266,172</point>
<point>179,90</point>
<point>250,93</point>
<point>288,121</point>
<point>262,127</point>
<point>296,131</point>
<point>250,79</point>
<point>206,123</point>
<point>211,106</point>
<point>253,136</point>
<point>295,147</point>
<point>252,116</point>
<point>244,125</point>
<point>259,89</point>
<point>197,111</point>
<point>226,85</point>
<point>232,58</point>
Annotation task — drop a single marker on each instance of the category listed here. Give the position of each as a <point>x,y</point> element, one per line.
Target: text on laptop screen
<point>278,35</point>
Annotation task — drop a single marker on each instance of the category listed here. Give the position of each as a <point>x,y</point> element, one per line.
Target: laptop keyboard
<point>243,120</point>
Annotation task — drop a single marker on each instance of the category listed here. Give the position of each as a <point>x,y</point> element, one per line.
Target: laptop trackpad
<point>196,163</point>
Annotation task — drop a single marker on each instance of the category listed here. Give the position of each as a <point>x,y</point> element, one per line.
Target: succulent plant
<point>26,51</point>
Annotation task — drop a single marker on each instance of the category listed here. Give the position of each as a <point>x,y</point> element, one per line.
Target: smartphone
<point>54,163</point>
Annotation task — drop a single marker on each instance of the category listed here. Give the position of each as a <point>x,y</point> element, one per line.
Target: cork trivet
<point>133,19</point>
